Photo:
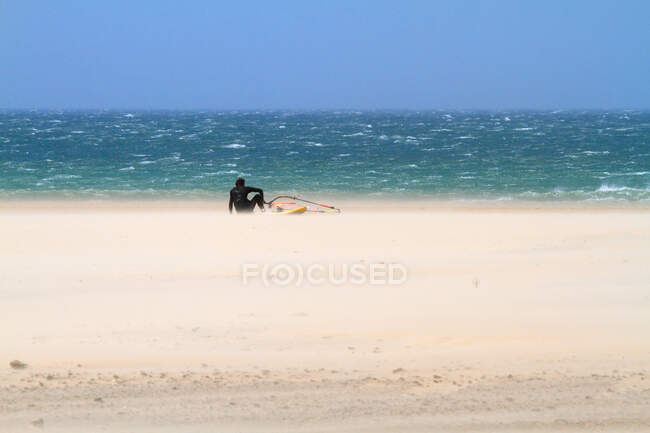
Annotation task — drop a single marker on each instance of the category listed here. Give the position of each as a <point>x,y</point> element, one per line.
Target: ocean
<point>442,155</point>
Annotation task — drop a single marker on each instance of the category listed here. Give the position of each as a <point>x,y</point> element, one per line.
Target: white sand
<point>511,319</point>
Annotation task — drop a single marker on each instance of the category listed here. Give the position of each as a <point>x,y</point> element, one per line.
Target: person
<point>239,197</point>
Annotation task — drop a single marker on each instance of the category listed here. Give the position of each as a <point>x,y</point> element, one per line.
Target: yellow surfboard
<point>295,211</point>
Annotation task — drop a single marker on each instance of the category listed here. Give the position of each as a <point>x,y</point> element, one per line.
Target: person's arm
<point>250,189</point>
<point>253,189</point>
<point>230,204</point>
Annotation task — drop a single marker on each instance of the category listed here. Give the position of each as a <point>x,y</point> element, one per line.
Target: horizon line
<point>279,109</point>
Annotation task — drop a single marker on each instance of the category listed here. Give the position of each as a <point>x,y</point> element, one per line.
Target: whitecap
<point>62,176</point>
<point>129,115</point>
<point>524,129</point>
<point>592,152</point>
<point>234,146</point>
<point>614,188</point>
<point>357,134</point>
<point>129,168</point>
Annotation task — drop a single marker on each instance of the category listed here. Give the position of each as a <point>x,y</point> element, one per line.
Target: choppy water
<point>446,155</point>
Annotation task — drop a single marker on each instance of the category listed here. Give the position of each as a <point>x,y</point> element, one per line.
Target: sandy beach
<point>136,316</point>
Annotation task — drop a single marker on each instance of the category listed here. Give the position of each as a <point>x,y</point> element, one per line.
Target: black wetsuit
<point>239,198</point>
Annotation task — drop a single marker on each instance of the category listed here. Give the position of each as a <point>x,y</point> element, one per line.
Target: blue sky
<point>324,54</point>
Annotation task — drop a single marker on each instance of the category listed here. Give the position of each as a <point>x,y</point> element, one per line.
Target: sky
<point>209,54</point>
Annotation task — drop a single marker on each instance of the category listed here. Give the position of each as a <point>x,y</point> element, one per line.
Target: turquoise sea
<point>457,155</point>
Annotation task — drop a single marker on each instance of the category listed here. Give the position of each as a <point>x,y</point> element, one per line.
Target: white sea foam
<point>129,168</point>
<point>524,129</point>
<point>281,127</point>
<point>129,115</point>
<point>63,176</point>
<point>344,154</point>
<point>593,152</point>
<point>614,188</point>
<point>234,146</point>
<point>356,134</point>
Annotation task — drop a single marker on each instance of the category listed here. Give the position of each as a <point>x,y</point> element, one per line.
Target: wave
<point>62,177</point>
<point>634,173</point>
<point>614,188</point>
<point>234,146</point>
